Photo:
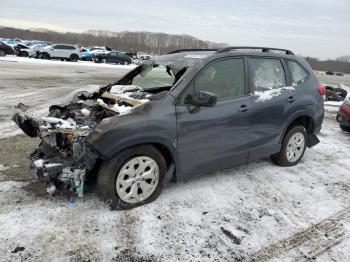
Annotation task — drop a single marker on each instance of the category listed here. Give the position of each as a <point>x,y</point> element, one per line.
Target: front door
<point>215,137</point>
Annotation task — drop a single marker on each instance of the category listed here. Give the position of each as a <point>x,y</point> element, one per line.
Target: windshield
<point>162,71</point>
<point>154,77</point>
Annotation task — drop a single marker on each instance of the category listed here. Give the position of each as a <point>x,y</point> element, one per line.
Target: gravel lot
<point>257,211</point>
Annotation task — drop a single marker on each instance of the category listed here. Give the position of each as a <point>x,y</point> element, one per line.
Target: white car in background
<point>61,51</point>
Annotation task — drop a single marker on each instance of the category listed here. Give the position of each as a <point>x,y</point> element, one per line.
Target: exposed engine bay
<point>63,158</point>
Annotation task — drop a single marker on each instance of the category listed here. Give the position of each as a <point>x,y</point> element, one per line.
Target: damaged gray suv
<point>190,111</point>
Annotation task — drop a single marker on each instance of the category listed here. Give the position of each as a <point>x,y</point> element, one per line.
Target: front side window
<point>267,74</point>
<point>299,74</point>
<point>223,78</point>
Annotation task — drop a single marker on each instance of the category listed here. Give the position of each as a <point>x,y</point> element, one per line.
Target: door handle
<point>243,108</point>
<point>291,99</point>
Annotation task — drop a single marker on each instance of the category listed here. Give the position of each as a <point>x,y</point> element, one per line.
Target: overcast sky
<point>319,28</point>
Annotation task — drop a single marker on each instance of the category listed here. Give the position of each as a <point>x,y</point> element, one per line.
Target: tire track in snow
<point>309,243</point>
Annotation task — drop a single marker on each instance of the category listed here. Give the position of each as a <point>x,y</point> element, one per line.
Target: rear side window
<point>267,73</point>
<point>223,78</point>
<point>299,74</point>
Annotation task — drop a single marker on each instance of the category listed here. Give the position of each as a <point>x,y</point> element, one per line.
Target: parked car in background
<point>22,50</point>
<point>339,73</point>
<point>188,112</point>
<point>13,42</point>
<point>335,93</point>
<point>143,56</point>
<point>61,51</point>
<point>6,49</point>
<point>89,52</point>
<point>343,115</point>
<point>113,57</point>
<point>329,73</point>
<point>34,43</point>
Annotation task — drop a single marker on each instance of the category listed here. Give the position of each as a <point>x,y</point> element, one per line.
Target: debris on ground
<point>227,233</point>
<point>18,249</point>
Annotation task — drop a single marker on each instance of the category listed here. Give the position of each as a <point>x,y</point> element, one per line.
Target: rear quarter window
<point>298,73</point>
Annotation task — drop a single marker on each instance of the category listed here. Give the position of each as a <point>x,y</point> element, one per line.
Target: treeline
<point>337,65</point>
<point>154,43</point>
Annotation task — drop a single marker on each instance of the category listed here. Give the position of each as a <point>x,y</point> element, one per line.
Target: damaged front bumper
<point>64,159</point>
<point>62,171</point>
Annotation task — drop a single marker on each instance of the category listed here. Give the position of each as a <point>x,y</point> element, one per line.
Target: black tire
<point>281,157</point>
<point>25,53</point>
<point>107,176</point>
<point>345,128</point>
<point>45,56</point>
<point>2,53</point>
<point>74,58</point>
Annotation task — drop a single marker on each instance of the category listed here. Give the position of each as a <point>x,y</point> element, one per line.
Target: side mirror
<point>203,98</point>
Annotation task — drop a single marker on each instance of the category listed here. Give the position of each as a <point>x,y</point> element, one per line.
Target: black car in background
<point>6,49</point>
<point>113,57</point>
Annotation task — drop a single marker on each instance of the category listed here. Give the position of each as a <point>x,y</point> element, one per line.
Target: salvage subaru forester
<point>190,111</point>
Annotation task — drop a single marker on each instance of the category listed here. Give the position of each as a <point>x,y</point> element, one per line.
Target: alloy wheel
<point>295,147</point>
<point>137,179</point>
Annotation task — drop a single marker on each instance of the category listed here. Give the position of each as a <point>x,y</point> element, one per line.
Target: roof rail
<point>192,50</point>
<point>263,49</point>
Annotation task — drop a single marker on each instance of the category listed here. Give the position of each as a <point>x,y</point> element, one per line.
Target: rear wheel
<point>133,178</point>
<point>293,147</point>
<point>2,52</point>
<point>345,128</point>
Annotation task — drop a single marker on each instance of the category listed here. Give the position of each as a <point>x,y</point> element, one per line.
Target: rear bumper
<point>318,120</point>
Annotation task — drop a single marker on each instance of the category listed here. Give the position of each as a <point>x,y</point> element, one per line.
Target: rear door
<point>215,137</point>
<point>273,102</point>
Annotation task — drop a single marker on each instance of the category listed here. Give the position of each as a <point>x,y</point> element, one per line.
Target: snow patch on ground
<point>258,210</point>
<point>17,59</point>
<point>3,168</point>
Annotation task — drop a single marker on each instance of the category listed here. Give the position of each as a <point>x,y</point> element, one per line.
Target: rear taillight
<point>321,89</point>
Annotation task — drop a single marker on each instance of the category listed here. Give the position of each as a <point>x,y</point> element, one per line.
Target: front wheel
<point>133,178</point>
<point>293,147</point>
<point>73,58</point>
<point>45,56</point>
<point>2,53</point>
<point>345,128</point>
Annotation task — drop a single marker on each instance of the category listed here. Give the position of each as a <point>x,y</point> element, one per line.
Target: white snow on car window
<point>263,96</point>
